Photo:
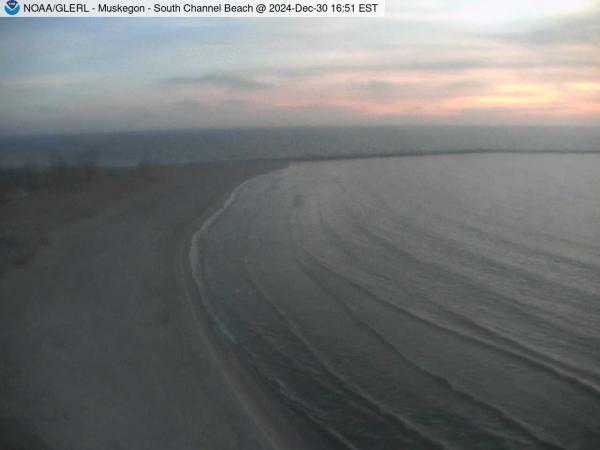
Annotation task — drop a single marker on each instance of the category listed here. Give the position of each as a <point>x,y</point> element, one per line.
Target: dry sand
<point>106,346</point>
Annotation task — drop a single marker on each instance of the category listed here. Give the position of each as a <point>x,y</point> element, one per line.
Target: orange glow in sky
<point>439,61</point>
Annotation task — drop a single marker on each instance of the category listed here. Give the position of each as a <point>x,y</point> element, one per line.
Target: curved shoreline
<point>261,404</point>
<point>100,347</point>
<point>237,227</point>
<point>281,427</point>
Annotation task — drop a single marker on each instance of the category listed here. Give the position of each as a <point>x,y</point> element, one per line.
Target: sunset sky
<point>428,62</point>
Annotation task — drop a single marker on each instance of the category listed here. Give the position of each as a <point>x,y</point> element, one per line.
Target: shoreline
<point>283,428</point>
<point>101,349</point>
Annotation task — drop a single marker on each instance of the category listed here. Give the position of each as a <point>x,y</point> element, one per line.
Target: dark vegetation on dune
<point>35,199</point>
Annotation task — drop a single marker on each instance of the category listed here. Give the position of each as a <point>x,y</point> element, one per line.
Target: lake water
<point>448,301</point>
<point>125,149</point>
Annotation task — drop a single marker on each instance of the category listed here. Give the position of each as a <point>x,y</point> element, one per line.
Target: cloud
<point>357,66</point>
<point>226,81</point>
<point>428,60</point>
<point>491,62</point>
<point>573,29</point>
<point>424,89</point>
<point>378,86</point>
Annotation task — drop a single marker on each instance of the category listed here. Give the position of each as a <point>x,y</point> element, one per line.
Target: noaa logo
<point>12,7</point>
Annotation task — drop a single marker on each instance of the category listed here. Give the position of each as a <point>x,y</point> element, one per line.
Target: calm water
<point>445,301</point>
<point>217,145</point>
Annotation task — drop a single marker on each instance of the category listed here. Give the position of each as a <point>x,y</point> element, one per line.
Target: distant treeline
<point>180,147</point>
<point>58,174</point>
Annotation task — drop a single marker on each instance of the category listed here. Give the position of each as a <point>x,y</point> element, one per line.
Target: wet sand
<point>104,341</point>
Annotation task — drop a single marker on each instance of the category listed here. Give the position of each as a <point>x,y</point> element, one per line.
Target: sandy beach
<point>354,226</point>
<point>104,347</point>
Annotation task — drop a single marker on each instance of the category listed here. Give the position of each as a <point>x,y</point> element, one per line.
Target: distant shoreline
<point>212,145</point>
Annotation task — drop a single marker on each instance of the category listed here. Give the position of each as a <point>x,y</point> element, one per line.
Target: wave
<point>387,321</point>
<point>522,310</point>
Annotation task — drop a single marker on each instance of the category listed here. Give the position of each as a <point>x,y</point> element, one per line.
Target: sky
<point>457,62</point>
